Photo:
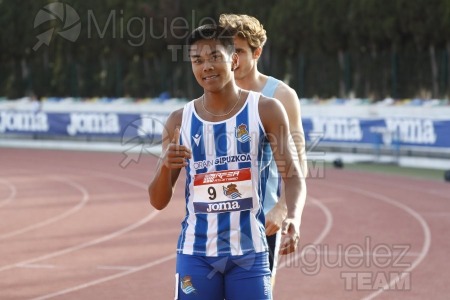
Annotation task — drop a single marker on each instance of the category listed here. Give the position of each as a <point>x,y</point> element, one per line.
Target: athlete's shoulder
<point>289,99</point>
<point>269,108</point>
<point>176,116</point>
<point>265,101</point>
<point>284,91</point>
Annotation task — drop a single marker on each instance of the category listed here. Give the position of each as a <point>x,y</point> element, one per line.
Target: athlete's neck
<point>254,81</point>
<point>222,100</point>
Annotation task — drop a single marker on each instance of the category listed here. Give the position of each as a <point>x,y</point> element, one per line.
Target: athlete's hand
<point>175,155</point>
<point>290,236</point>
<point>275,217</point>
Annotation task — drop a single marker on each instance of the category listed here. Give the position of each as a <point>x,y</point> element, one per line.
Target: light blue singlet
<point>273,186</point>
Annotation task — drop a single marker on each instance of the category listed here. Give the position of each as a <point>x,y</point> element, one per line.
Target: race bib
<point>223,191</point>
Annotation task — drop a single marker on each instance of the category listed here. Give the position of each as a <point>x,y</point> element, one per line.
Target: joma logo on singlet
<point>223,206</point>
<point>208,207</point>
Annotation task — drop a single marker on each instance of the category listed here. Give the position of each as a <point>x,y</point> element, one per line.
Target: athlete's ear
<point>234,61</point>
<point>257,53</point>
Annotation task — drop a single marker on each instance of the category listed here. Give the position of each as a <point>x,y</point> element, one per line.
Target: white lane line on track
<point>85,245</point>
<point>425,228</point>
<point>357,255</point>
<point>80,205</point>
<point>437,214</point>
<point>440,193</point>
<point>322,235</point>
<point>412,187</point>
<point>319,239</point>
<point>12,194</point>
<point>145,266</point>
<point>95,241</point>
<point>120,268</point>
<point>423,253</point>
<point>108,278</point>
<point>36,266</point>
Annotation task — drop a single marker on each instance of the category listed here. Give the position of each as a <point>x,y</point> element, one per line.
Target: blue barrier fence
<point>400,131</point>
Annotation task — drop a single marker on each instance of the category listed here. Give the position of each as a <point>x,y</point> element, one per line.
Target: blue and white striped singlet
<point>224,214</point>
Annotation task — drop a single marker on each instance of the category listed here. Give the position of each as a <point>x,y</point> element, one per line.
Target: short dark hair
<point>224,35</point>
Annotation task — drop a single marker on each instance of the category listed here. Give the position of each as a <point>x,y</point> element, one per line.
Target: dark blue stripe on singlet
<point>199,154</point>
<point>246,231</point>
<point>182,237</point>
<point>264,157</point>
<point>220,142</point>
<point>279,186</point>
<point>243,148</point>
<point>198,151</point>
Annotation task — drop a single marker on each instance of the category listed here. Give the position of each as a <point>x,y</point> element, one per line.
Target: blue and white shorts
<point>240,277</point>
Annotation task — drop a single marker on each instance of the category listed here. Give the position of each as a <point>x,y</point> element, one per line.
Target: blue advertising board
<point>405,131</point>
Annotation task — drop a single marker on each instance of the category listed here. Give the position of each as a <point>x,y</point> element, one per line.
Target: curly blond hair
<point>246,27</point>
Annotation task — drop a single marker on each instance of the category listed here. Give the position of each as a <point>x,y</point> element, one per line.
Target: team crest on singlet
<point>241,133</point>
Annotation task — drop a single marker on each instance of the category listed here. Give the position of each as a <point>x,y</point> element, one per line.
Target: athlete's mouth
<point>210,77</point>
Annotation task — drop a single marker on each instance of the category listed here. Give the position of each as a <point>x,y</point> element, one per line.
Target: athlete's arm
<point>275,122</point>
<point>173,158</point>
<point>276,216</point>
<point>288,97</point>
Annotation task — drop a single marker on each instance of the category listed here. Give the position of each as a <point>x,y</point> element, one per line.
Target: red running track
<point>76,225</point>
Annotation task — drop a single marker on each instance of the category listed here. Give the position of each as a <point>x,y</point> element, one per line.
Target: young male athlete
<point>250,37</point>
<point>222,139</point>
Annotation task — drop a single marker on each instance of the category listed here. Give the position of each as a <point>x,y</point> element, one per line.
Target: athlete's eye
<point>216,57</point>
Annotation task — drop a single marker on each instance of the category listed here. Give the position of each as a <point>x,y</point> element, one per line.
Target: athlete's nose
<point>208,66</point>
